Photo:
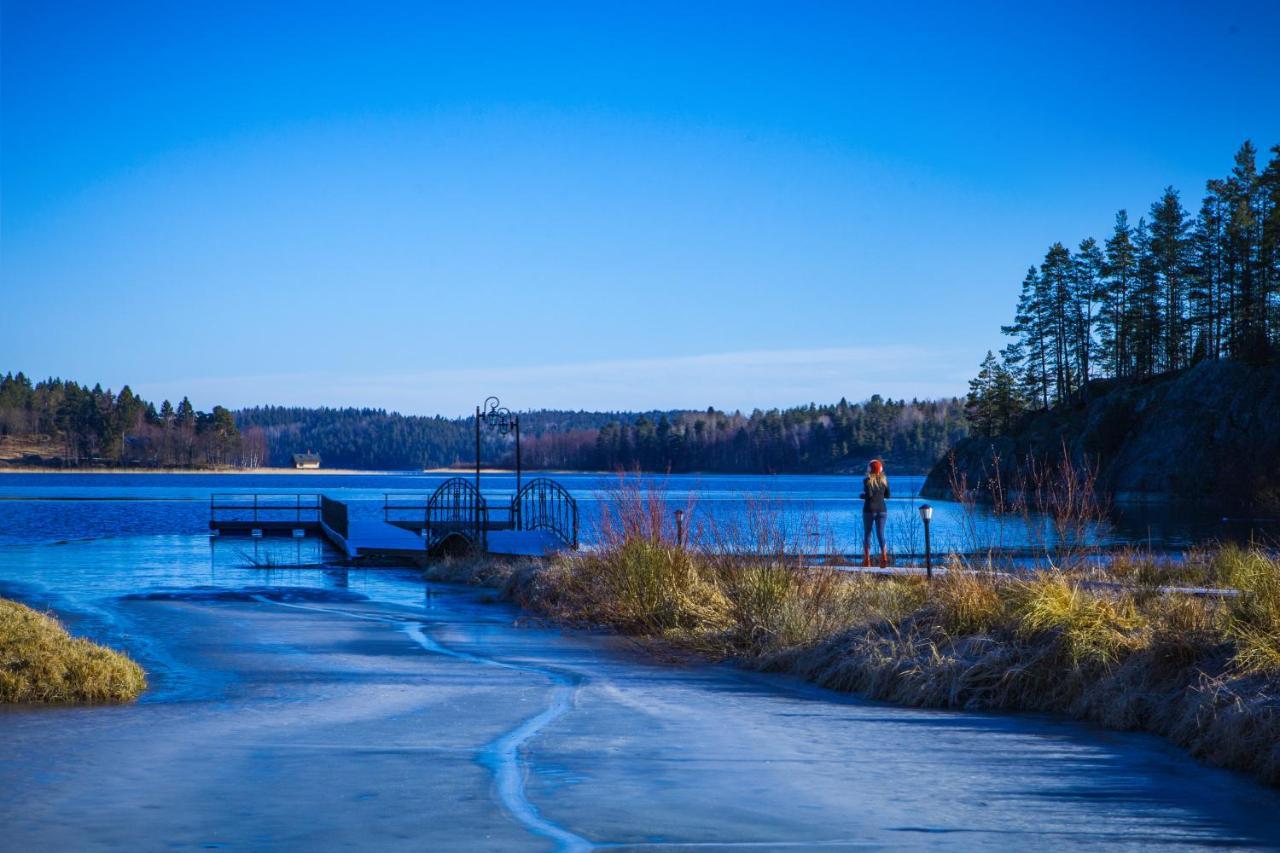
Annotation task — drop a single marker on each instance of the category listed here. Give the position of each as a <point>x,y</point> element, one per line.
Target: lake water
<point>817,512</point>
<point>331,707</point>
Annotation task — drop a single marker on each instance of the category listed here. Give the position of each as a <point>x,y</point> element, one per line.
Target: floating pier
<point>541,518</point>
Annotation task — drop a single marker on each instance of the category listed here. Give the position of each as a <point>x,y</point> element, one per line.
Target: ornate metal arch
<point>456,508</point>
<point>544,504</point>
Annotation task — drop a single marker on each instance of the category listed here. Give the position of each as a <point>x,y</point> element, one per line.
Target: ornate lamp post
<point>496,416</point>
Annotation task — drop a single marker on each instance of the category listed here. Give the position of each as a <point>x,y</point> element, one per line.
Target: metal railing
<point>270,508</point>
<point>405,509</point>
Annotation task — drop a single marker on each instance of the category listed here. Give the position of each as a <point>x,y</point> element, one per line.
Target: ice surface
<point>335,708</point>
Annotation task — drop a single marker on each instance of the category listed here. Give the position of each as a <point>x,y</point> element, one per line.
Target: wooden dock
<point>541,519</point>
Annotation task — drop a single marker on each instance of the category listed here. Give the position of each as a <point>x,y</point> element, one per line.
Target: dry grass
<point>1090,628</point>
<point>641,586</point>
<point>41,662</point>
<point>968,603</point>
<point>1096,639</point>
<point>1253,618</point>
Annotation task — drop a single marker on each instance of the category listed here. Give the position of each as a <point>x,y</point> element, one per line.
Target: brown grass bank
<point>1101,643</point>
<point>41,662</point>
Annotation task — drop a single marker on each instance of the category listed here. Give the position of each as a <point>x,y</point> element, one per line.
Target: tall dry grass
<point>41,662</point>
<point>1253,617</point>
<point>1054,504</point>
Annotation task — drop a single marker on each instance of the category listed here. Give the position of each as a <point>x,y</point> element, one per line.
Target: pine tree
<point>1145,305</point>
<point>1269,246</point>
<point>1119,273</point>
<point>1248,329</point>
<point>1008,402</point>
<point>1169,256</point>
<point>1087,292</point>
<point>1204,295</point>
<point>1030,331</point>
<point>1056,286</point>
<point>980,404</point>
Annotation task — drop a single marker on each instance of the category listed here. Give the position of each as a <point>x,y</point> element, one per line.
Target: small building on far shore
<point>306,460</point>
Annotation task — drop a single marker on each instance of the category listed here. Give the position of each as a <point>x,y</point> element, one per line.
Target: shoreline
<point>934,648</point>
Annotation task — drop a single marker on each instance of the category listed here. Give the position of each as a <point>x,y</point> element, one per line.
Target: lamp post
<point>497,417</point>
<point>926,515</point>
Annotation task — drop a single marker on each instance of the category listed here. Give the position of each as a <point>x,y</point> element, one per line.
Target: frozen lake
<point>334,708</point>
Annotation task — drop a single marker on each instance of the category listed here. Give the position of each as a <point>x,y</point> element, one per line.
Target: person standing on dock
<point>875,492</point>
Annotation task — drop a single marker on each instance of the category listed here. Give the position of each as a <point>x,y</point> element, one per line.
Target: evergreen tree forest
<point>910,435</point>
<point>1150,297</point>
<point>64,423</point>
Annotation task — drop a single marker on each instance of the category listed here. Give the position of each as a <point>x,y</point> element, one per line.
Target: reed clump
<point>1253,618</point>
<point>41,662</point>
<point>1089,628</point>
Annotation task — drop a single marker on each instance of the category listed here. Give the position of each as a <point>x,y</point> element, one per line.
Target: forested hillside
<point>1149,357</point>
<point>911,435</point>
<point>63,423</point>
<point>1153,297</point>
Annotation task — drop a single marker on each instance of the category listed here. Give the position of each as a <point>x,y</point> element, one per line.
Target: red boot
<point>884,559</point>
<point>866,557</point>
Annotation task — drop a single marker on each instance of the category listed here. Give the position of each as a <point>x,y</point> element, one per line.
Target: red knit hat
<point>876,466</point>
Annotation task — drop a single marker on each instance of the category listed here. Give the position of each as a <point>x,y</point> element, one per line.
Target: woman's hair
<point>875,473</point>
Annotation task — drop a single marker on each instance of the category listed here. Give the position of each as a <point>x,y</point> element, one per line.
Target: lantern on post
<point>926,515</point>
<point>497,417</point>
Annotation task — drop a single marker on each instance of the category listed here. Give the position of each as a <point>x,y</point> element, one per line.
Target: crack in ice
<point>502,755</point>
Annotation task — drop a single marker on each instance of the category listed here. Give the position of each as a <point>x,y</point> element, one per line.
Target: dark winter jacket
<point>874,497</point>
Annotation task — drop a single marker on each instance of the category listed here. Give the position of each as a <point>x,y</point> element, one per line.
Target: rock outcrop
<point>1209,434</point>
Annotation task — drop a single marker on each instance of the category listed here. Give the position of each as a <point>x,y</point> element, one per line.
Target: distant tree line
<point>66,423</point>
<point>371,439</point>
<point>809,438</point>
<point>910,435</point>
<point>1154,297</point>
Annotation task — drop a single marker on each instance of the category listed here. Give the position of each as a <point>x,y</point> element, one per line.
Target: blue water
<point>818,513</point>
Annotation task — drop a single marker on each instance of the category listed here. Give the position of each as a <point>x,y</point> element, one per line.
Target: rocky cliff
<point>1210,434</point>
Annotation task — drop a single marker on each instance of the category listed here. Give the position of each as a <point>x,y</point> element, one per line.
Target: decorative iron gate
<point>544,504</point>
<point>456,509</point>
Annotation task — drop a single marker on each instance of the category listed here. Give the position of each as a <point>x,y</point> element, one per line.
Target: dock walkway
<point>409,527</point>
<point>376,538</point>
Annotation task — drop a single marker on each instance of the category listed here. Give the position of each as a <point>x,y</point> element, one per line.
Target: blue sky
<point>588,206</point>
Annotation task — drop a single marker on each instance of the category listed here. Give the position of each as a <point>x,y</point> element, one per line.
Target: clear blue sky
<point>588,206</point>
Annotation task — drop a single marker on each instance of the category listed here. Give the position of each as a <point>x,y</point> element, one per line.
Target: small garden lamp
<point>926,515</point>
